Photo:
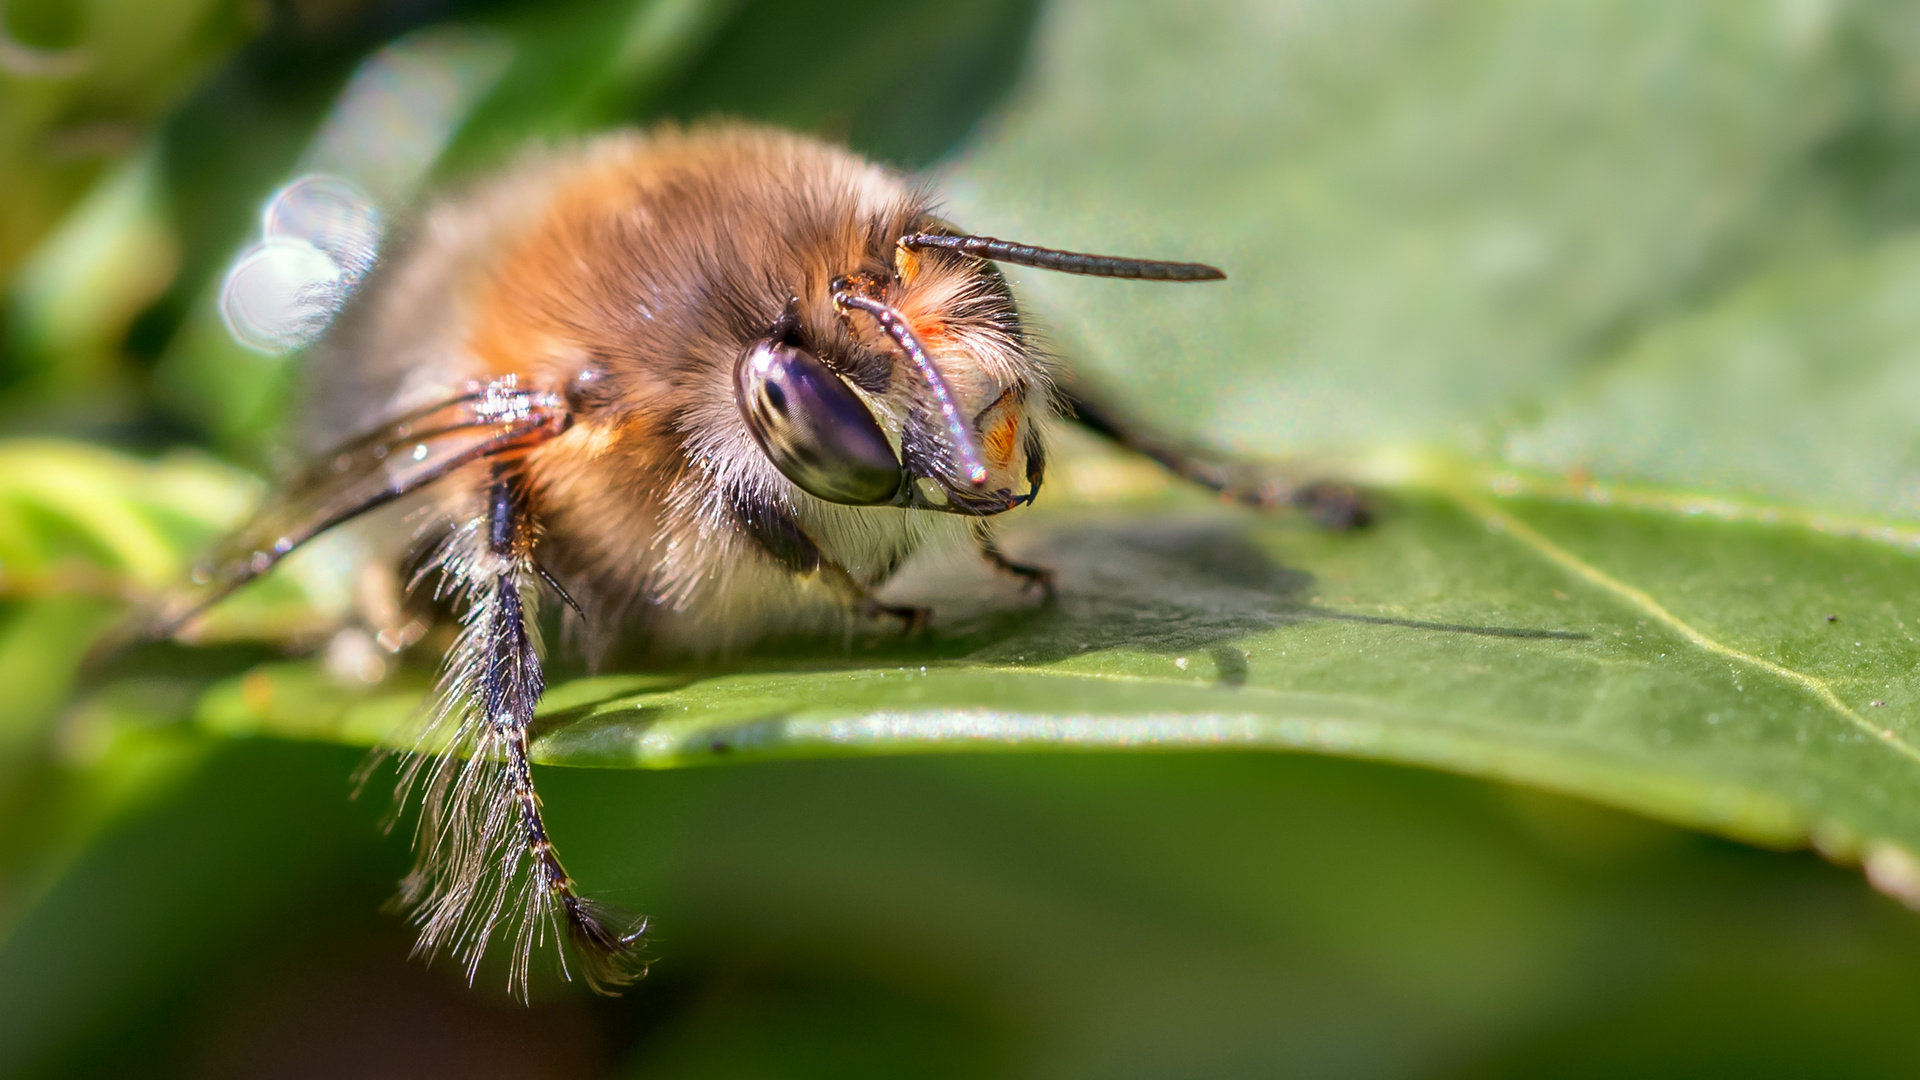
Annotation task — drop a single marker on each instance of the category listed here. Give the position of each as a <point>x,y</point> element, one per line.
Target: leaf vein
<point>1499,520</point>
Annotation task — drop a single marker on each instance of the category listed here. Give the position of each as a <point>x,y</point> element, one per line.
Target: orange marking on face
<point>1000,430</point>
<point>1000,442</point>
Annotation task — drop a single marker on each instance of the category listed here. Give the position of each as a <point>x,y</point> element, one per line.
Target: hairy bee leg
<point>510,690</point>
<point>1331,504</point>
<point>1030,576</point>
<point>481,818</point>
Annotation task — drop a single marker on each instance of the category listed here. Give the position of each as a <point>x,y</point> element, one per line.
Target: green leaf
<point>1673,661</point>
<point>1607,302</point>
<point>1205,915</point>
<point>1798,387</point>
<point>1445,225</point>
<point>80,80</point>
<point>87,535</point>
<point>80,522</point>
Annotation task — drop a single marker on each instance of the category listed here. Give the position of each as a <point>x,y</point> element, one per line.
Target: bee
<point>698,385</point>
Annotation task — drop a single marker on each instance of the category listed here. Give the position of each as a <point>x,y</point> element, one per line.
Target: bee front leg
<point>1030,576</point>
<point>1332,504</point>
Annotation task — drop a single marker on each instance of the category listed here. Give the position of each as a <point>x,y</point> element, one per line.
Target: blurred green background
<point>1610,302</point>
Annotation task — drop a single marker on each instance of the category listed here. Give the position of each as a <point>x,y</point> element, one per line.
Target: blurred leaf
<point>42,643</point>
<point>79,82</point>
<point>1797,387</point>
<point>87,535</point>
<point>118,751</point>
<point>79,294</point>
<point>1111,915</point>
<point>1457,225</point>
<point>77,518</point>
<point>904,83</point>
<point>217,861</point>
<point>581,66</point>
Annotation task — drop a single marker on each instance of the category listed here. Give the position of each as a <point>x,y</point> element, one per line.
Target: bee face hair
<point>704,385</point>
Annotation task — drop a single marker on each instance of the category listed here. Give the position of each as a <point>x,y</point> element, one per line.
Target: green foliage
<point>1609,305</point>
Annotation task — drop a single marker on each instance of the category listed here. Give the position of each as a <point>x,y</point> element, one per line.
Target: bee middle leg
<point>1331,504</point>
<point>783,541</point>
<point>913,620</point>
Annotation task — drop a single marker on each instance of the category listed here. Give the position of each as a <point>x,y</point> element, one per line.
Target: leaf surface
<point>1678,664</point>
<point>1609,304</point>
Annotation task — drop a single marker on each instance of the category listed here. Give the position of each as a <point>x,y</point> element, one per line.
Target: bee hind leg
<point>486,860</point>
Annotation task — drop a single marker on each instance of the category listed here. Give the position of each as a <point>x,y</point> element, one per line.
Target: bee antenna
<point>1067,262</point>
<point>895,324</point>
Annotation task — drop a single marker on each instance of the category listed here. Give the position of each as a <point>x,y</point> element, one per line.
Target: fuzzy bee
<point>697,385</point>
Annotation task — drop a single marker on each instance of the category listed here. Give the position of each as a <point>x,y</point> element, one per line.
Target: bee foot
<point>1031,577</point>
<point>1333,506</point>
<point>913,620</point>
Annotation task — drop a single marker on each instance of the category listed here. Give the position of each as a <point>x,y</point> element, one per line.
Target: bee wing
<point>368,472</point>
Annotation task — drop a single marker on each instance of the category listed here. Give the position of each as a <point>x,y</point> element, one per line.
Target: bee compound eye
<point>814,429</point>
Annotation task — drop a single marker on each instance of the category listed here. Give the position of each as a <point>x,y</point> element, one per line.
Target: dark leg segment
<point>1332,505</point>
<point>510,690</point>
<point>912,619</point>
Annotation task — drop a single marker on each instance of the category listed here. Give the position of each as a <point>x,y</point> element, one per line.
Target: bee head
<point>955,433</point>
<point>889,420</point>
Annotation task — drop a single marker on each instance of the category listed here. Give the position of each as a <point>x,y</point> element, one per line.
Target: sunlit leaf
<point>1609,305</point>
<point>1427,271</point>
